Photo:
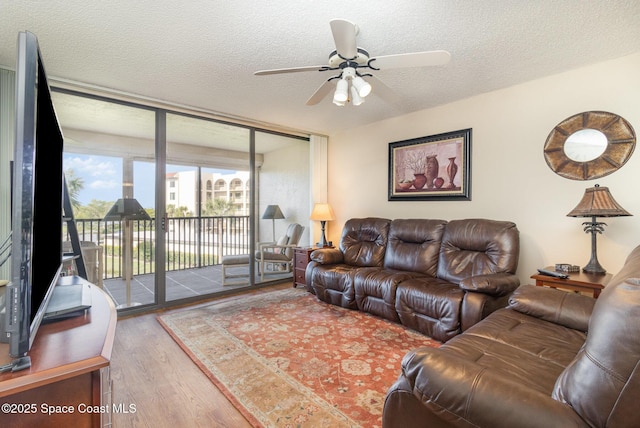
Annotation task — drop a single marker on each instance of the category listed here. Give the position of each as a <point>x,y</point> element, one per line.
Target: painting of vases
<point>429,168</point>
<point>452,170</point>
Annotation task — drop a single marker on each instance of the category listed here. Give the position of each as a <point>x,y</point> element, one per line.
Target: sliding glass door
<point>204,187</point>
<point>109,157</point>
<point>208,204</point>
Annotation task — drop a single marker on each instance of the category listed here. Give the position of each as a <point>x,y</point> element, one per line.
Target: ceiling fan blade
<point>320,93</point>
<point>382,90</point>
<point>344,35</point>
<point>416,59</point>
<point>290,70</point>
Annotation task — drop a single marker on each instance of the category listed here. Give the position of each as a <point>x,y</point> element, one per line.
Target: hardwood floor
<point>151,373</point>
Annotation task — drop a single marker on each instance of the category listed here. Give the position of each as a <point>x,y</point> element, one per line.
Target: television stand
<point>70,362</point>
<point>71,297</point>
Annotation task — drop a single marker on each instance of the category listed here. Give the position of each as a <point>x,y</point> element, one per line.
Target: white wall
<point>510,179</point>
<point>284,181</point>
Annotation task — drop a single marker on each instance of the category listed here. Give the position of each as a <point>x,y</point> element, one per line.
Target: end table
<point>577,281</point>
<point>301,258</point>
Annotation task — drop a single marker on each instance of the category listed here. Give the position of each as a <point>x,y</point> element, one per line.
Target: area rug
<point>286,359</point>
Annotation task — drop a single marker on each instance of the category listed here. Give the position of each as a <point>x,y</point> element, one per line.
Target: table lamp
<point>322,213</point>
<point>596,202</point>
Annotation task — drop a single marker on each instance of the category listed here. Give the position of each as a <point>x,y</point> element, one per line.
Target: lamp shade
<point>128,208</point>
<point>342,91</point>
<point>322,212</point>
<point>362,86</point>
<point>272,212</point>
<point>356,99</point>
<point>598,202</point>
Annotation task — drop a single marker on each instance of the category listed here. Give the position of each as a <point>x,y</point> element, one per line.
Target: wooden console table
<point>69,374</point>
<point>577,281</point>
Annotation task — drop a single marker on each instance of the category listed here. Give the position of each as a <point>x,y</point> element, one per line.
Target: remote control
<point>554,274</point>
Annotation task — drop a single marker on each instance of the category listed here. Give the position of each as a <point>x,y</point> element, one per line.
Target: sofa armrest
<point>327,256</point>
<point>464,393</point>
<point>496,284</point>
<point>560,307</point>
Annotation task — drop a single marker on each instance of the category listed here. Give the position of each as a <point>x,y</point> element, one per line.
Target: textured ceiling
<point>202,53</point>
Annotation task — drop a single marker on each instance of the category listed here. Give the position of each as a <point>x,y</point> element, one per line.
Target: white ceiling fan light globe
<point>342,92</point>
<point>356,99</point>
<point>362,86</point>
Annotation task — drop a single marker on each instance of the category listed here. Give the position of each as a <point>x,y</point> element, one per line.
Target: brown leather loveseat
<point>550,359</point>
<point>433,276</point>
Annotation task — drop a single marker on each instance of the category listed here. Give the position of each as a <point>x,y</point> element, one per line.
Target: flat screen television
<point>36,251</point>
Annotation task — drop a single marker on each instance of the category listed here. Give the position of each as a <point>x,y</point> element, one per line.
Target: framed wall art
<point>437,167</point>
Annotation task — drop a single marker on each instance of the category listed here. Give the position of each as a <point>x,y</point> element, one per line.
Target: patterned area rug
<point>286,359</point>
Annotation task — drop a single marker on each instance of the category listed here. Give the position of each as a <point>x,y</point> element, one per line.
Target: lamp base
<point>593,227</point>
<point>594,267</point>
<point>323,240</point>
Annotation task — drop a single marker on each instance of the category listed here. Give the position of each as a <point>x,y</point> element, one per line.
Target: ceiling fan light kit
<point>342,92</point>
<point>362,86</point>
<point>350,83</point>
<point>348,58</point>
<point>356,99</point>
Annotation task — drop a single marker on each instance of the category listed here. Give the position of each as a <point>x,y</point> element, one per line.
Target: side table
<point>301,258</point>
<point>577,281</point>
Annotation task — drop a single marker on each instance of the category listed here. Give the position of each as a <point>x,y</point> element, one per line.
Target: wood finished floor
<point>150,371</point>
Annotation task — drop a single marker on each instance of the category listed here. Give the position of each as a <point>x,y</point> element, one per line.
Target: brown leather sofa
<point>433,276</point>
<point>550,359</point>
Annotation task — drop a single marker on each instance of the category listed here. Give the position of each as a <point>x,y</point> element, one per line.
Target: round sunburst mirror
<point>589,145</point>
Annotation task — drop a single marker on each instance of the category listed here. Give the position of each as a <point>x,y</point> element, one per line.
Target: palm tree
<point>219,206</point>
<point>94,209</point>
<point>181,211</point>
<point>75,185</point>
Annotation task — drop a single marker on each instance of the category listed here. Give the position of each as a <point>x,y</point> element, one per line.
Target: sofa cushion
<point>567,309</point>
<point>364,241</point>
<point>375,290</point>
<point>476,247</point>
<point>334,284</point>
<point>430,306</point>
<point>602,384</point>
<point>438,390</point>
<point>527,349</point>
<point>499,373</point>
<point>414,245</point>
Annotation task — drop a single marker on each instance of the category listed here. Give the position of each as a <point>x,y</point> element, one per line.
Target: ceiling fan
<point>353,64</point>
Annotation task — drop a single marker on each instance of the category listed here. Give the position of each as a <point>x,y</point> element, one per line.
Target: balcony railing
<point>190,242</point>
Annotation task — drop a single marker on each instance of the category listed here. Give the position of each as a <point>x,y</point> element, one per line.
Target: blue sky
<point>102,176</point>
